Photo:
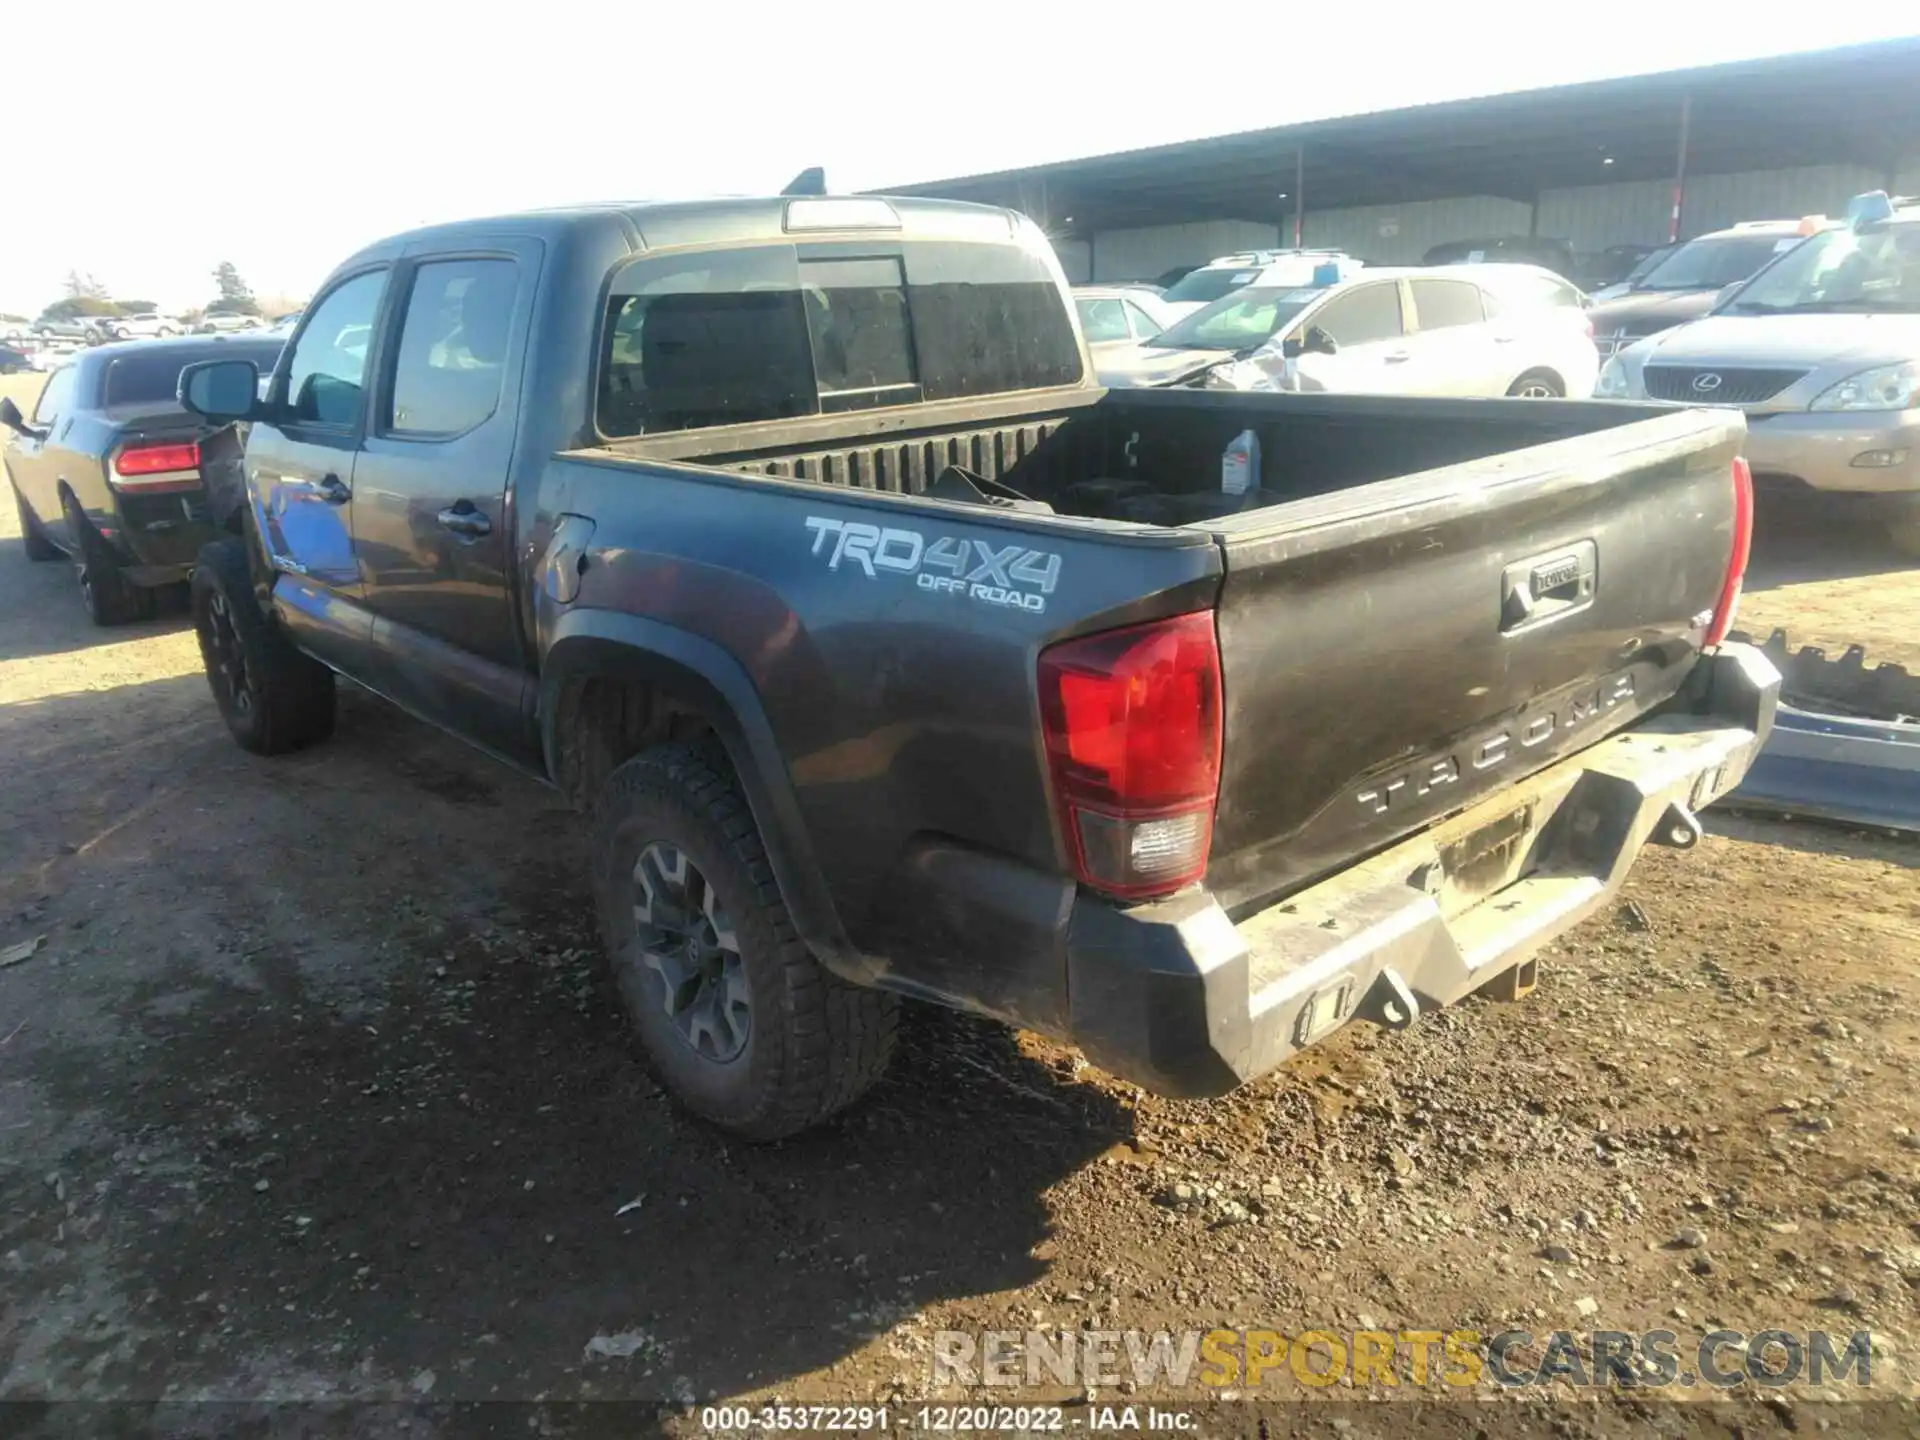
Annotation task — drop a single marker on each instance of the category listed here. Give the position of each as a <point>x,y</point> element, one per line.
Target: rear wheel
<point>273,698</point>
<point>1537,385</point>
<point>741,1023</point>
<point>32,538</point>
<point>106,593</point>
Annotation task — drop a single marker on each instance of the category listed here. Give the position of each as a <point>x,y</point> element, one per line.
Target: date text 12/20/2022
<point>942,1419</point>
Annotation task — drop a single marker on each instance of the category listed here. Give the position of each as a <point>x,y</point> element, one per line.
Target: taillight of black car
<point>157,467</point>
<point>1132,724</point>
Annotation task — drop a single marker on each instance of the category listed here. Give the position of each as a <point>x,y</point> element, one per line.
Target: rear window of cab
<point>778,332</point>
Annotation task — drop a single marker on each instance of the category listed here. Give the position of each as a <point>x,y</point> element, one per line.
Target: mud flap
<point>223,472</point>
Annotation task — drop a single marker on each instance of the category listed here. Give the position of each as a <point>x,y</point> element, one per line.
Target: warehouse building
<point>1639,160</point>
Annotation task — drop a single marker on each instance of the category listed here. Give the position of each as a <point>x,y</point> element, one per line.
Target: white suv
<point>1490,330</point>
<point>140,327</point>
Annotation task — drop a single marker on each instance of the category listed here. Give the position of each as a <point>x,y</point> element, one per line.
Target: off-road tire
<point>815,1043</point>
<point>32,538</point>
<point>109,598</point>
<point>275,699</point>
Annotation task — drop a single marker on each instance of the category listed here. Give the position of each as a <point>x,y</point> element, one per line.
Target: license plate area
<point>1490,856</point>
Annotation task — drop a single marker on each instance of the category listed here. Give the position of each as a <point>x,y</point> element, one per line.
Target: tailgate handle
<point>1543,588</point>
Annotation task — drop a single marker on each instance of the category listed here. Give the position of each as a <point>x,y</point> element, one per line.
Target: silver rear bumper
<point>1180,999</point>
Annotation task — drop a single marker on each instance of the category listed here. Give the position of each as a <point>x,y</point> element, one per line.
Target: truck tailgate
<point>1395,652</point>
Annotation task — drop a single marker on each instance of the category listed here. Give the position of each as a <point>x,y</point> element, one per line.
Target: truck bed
<point>1367,661</point>
<point>1310,444</point>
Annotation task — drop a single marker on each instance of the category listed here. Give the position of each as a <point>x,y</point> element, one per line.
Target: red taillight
<point>1729,603</point>
<point>170,465</point>
<point>1132,720</point>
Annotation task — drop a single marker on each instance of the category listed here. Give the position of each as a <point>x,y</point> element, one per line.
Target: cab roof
<point>658,225</point>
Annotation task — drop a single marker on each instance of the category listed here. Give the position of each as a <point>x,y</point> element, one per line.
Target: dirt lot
<point>315,1091</point>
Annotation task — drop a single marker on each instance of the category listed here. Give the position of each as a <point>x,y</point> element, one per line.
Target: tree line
<point>86,298</point>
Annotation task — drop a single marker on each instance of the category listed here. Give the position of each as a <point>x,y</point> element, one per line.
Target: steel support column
<point>1680,169</point>
<point>1299,193</point>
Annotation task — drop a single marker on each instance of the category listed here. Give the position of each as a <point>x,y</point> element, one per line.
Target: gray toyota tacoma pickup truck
<point>892,657</point>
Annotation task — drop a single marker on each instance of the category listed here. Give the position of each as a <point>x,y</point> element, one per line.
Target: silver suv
<point>1822,350</point>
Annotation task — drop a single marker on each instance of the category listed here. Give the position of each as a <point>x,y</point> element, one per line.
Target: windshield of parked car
<point>1242,321</point>
<point>1709,263</point>
<point>1102,318</point>
<point>1210,285</point>
<point>1648,264</point>
<point>1871,271</point>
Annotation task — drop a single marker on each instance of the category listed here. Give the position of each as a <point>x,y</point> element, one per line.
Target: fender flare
<point>708,679</point>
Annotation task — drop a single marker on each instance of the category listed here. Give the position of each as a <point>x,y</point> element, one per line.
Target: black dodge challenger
<point>106,471</point>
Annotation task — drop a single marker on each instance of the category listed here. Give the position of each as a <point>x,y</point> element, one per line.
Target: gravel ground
<point>313,1089</point>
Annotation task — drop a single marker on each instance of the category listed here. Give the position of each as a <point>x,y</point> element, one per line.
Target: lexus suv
<point>1821,349</point>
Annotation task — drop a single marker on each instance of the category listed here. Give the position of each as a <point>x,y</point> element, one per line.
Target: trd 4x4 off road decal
<point>1012,575</point>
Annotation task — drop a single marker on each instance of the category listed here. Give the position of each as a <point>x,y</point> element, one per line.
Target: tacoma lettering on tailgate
<point>1012,576</point>
<point>1495,748</point>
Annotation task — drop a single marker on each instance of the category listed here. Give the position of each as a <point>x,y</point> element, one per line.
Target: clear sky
<point>164,136</point>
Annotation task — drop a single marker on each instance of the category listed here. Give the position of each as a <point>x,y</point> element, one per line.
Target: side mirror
<point>1292,348</point>
<point>222,390</point>
<point>1727,292</point>
<point>11,417</point>
<point>1320,342</point>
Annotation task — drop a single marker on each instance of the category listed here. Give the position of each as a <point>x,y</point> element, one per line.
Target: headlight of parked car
<point>1612,384</point>
<point>1889,387</point>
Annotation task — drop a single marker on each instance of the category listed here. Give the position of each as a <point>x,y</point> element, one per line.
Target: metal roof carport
<point>1858,106</point>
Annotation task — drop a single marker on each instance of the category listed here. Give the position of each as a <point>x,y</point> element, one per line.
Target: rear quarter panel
<point>902,703</point>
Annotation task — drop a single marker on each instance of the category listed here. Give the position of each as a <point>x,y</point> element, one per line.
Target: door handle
<point>1398,357</point>
<point>462,519</point>
<point>1504,339</point>
<point>332,490</point>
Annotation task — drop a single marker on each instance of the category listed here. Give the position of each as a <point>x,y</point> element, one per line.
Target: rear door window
<point>1444,304</point>
<point>777,332</point>
<point>453,347</point>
